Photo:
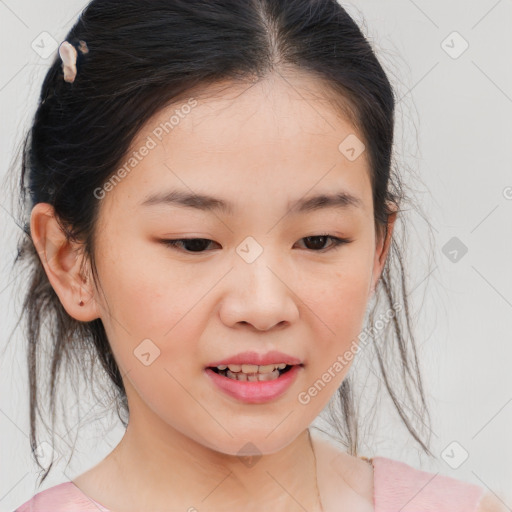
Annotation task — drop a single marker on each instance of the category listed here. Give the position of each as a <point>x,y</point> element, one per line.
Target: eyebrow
<point>340,200</point>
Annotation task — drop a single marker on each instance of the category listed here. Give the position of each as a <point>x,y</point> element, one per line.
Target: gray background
<point>454,134</point>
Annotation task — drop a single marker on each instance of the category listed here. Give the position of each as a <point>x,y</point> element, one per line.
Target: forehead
<point>278,138</point>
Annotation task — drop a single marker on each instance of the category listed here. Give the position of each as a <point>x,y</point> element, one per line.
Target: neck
<point>160,465</point>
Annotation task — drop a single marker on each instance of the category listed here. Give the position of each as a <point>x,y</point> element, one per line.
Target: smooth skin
<point>257,146</point>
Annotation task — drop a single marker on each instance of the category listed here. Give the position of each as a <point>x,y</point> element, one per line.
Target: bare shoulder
<point>491,503</point>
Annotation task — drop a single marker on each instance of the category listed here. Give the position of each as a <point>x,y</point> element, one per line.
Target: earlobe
<point>61,260</point>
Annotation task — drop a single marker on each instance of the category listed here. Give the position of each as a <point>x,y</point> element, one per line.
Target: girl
<point>211,212</point>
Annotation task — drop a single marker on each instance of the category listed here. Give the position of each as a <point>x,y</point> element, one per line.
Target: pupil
<point>196,244</point>
<point>317,245</point>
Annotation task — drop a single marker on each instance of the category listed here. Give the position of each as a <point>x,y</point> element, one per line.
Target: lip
<point>272,357</point>
<point>255,392</point>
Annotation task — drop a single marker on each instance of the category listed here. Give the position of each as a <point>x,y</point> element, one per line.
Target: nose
<point>259,294</point>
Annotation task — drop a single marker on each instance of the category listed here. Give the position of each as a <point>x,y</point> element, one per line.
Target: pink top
<point>397,487</point>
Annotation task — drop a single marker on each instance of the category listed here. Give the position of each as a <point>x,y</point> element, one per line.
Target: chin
<point>253,443</point>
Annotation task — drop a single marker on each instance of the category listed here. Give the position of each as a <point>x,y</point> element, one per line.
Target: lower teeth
<point>250,377</point>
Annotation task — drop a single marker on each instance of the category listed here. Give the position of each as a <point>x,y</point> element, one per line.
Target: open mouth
<point>258,384</point>
<point>252,377</point>
<point>224,372</point>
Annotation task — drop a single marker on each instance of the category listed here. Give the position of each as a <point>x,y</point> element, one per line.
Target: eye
<point>196,245</point>
<point>321,239</point>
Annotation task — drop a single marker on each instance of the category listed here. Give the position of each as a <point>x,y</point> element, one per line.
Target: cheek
<point>171,397</point>
<point>336,306</point>
<point>339,296</point>
<point>148,298</point>
<point>153,326</point>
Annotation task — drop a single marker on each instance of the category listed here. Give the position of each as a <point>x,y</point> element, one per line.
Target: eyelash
<point>337,243</point>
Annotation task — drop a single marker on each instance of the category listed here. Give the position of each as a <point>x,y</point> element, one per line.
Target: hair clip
<point>68,54</point>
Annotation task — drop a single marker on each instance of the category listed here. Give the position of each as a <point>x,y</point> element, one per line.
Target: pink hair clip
<point>68,54</point>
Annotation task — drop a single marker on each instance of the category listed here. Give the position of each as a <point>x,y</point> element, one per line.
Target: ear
<point>382,248</point>
<point>62,261</point>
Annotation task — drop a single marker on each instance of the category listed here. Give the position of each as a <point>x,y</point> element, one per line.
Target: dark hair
<point>144,55</point>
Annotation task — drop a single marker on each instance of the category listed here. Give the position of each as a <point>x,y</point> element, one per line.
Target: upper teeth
<point>252,368</point>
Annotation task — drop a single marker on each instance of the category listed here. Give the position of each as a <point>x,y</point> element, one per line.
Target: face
<point>264,276</point>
